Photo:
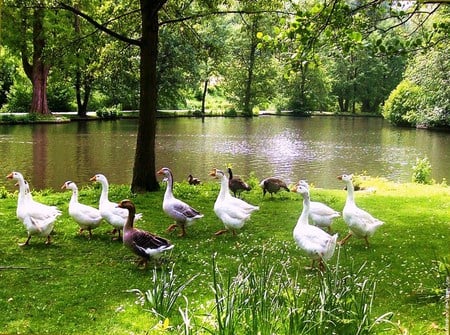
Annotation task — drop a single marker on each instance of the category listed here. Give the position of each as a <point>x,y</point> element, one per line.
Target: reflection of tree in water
<point>40,156</point>
<point>82,150</point>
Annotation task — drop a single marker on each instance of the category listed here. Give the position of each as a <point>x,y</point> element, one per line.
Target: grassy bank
<point>82,286</point>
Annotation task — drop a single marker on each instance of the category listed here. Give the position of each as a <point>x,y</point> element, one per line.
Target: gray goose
<point>144,244</point>
<point>273,185</point>
<point>183,214</point>
<point>236,184</point>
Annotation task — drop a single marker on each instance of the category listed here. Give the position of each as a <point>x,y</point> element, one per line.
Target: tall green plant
<point>422,171</point>
<point>263,298</point>
<point>162,297</point>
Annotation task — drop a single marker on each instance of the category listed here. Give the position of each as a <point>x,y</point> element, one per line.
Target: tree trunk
<point>39,80</point>
<point>82,101</point>
<point>205,91</point>
<point>248,101</point>
<point>38,71</point>
<point>144,171</point>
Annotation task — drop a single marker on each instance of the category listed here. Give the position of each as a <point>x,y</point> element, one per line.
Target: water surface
<point>317,149</point>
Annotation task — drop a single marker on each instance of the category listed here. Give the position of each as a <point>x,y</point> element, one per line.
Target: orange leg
<point>344,240</point>
<point>183,230</point>
<point>171,227</point>
<point>220,232</point>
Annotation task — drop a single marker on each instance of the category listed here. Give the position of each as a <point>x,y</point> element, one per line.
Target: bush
<point>110,113</point>
<point>231,112</point>
<point>59,98</point>
<point>19,99</point>
<point>403,104</point>
<point>422,171</point>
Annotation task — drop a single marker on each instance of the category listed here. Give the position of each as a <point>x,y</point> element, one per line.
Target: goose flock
<point>312,232</point>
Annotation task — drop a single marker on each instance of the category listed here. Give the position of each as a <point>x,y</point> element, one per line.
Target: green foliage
<point>19,99</point>
<point>110,113</point>
<point>422,171</point>
<point>167,288</point>
<point>403,103</point>
<point>7,72</point>
<point>263,298</point>
<point>231,112</point>
<point>60,97</point>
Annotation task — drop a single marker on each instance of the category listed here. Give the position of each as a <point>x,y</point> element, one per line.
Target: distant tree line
<point>279,56</point>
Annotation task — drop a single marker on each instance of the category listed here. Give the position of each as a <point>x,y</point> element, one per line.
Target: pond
<point>317,149</point>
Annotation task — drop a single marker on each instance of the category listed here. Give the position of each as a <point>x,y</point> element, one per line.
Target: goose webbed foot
<point>220,232</point>
<point>171,228</point>
<point>27,242</point>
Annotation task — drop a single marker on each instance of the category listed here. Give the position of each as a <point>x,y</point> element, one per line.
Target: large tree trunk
<point>39,80</point>
<point>82,100</point>
<point>144,171</point>
<point>248,101</point>
<point>38,71</point>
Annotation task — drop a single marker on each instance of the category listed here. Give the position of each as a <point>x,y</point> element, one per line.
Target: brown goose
<point>144,244</point>
<point>193,181</point>
<point>236,184</point>
<point>273,185</point>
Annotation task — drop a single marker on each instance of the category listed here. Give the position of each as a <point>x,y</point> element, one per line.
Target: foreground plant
<point>162,297</point>
<point>263,298</point>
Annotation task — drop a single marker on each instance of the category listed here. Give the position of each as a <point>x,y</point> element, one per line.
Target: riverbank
<point>21,118</point>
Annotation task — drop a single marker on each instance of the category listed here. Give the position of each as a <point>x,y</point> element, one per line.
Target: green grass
<point>82,286</point>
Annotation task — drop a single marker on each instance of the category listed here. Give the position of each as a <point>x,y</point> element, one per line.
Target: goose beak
<point>161,172</point>
<point>10,176</point>
<point>213,173</point>
<point>63,186</point>
<point>294,188</point>
<point>339,177</point>
<point>93,179</point>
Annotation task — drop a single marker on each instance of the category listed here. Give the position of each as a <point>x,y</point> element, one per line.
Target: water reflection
<point>317,149</point>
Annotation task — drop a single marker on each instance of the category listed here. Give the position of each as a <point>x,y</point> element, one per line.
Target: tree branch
<point>100,26</point>
<point>201,15</point>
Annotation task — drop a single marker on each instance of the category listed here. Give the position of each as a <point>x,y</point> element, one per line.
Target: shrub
<point>59,97</point>
<point>231,112</point>
<point>19,99</point>
<point>110,113</point>
<point>403,104</point>
<point>422,171</point>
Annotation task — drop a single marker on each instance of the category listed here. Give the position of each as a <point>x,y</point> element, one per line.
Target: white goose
<point>232,211</point>
<point>38,218</point>
<point>320,214</point>
<point>183,214</point>
<point>87,217</point>
<point>361,224</point>
<point>114,215</point>
<point>315,242</point>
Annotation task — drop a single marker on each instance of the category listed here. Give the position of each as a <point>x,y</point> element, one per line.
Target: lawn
<point>226,284</point>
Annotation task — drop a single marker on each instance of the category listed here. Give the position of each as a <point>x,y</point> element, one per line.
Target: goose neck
<point>74,197</point>
<point>130,219</point>
<point>169,188</point>
<point>303,219</point>
<point>224,188</point>
<point>105,190</point>
<point>350,193</point>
